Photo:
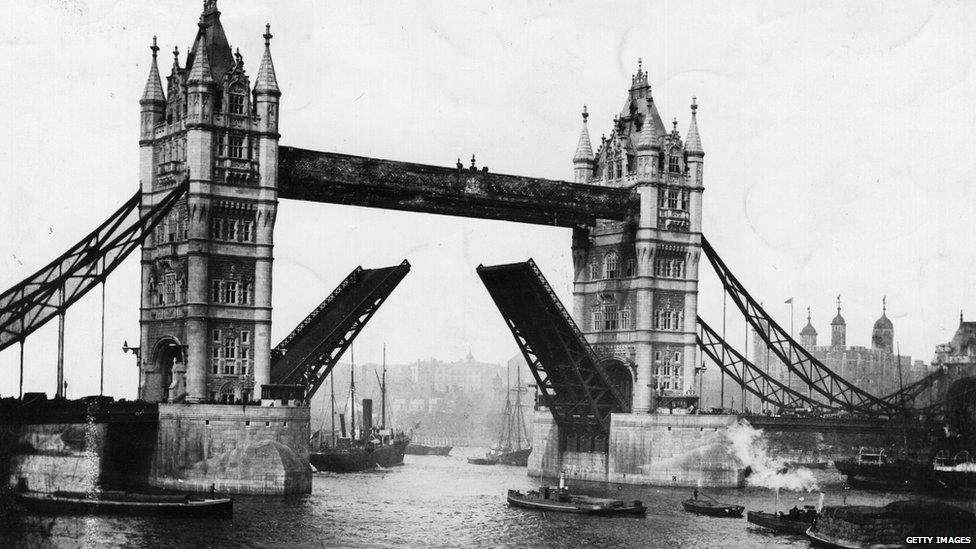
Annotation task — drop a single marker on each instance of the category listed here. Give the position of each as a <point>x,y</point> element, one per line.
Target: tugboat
<point>866,527</point>
<point>559,499</point>
<point>796,521</point>
<point>513,446</point>
<point>712,507</point>
<point>371,448</point>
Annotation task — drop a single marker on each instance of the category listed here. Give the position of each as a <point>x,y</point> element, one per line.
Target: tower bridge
<point>211,175</point>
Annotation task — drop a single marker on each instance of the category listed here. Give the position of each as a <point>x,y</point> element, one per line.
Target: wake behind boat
<point>125,503</point>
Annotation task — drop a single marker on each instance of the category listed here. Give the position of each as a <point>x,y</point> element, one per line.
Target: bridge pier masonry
<point>635,298</point>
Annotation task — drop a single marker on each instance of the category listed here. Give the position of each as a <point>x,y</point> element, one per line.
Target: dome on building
<point>838,320</point>
<point>883,323</point>
<point>809,330</point>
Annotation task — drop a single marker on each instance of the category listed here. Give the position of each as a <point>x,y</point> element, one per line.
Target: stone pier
<point>646,449</point>
<point>238,449</point>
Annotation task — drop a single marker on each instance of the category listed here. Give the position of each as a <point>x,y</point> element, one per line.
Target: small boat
<point>559,499</point>
<point>711,507</point>
<point>125,503</point>
<point>797,521</point>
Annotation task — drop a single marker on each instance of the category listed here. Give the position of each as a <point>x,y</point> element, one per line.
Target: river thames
<point>444,502</point>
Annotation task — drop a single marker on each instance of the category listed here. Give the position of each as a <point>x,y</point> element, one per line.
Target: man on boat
<point>696,493</point>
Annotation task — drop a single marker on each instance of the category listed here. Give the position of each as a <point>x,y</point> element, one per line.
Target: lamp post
<point>138,354</point>
<point>701,381</point>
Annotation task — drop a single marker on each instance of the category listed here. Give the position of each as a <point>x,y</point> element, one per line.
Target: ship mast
<point>332,383</point>
<point>352,392</point>
<point>383,392</point>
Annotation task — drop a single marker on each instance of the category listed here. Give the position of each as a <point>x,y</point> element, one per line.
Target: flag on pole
<point>789,301</point>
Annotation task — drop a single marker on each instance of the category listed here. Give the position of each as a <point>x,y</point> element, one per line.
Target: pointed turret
<point>220,58</point>
<point>267,82</point>
<point>200,72</point>
<point>153,102</point>
<point>648,134</point>
<point>838,329</point>
<point>583,159</point>
<point>693,145</point>
<point>154,85</point>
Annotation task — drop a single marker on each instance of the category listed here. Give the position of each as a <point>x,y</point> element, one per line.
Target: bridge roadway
<point>360,181</point>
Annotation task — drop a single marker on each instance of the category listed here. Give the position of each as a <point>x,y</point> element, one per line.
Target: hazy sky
<point>838,140</point>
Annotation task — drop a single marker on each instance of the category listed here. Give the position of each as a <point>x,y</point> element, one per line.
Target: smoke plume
<point>749,447</point>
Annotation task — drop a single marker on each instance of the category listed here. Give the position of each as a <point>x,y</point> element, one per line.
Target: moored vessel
<point>125,503</point>
<point>513,446</point>
<point>796,521</point>
<point>868,527</point>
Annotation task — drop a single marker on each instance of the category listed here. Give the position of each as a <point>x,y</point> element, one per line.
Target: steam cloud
<point>749,447</point>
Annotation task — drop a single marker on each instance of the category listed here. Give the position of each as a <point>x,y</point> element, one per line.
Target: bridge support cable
<point>572,382</point>
<point>40,297</point>
<point>764,386</point>
<point>307,355</point>
<point>814,373</point>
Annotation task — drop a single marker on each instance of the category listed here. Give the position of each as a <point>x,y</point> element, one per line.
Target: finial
<point>675,123</point>
<point>267,34</point>
<point>838,303</point>
<point>585,114</point>
<point>176,54</point>
<point>640,62</point>
<point>884,305</point>
<point>472,161</point>
<point>154,47</point>
<point>808,315</point>
<point>694,105</point>
<point>238,57</point>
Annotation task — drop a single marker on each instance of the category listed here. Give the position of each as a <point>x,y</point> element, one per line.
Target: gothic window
<point>610,170</point>
<point>610,264</point>
<point>610,317</point>
<point>245,359</point>
<point>245,337</point>
<point>236,100</point>
<point>236,146</point>
<point>215,359</point>
<point>230,355</point>
<point>631,268</point>
<point>245,293</point>
<point>674,165</point>
<point>247,231</point>
<point>594,271</point>
<point>597,320</point>
<point>673,195</point>
<point>220,145</point>
<point>230,292</point>
<point>684,200</point>
<point>625,320</point>
<point>170,288</point>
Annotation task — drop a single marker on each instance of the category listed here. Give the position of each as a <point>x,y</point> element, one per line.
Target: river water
<point>444,502</point>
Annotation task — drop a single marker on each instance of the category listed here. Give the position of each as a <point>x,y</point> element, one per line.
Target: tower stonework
<point>635,293</point>
<point>205,317</point>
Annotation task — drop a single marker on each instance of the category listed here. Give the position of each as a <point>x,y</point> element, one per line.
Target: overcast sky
<point>838,143</point>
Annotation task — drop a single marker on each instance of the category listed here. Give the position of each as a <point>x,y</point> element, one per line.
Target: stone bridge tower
<point>635,292</point>
<point>205,314</point>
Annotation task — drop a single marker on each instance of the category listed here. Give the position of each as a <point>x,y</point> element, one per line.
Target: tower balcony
<point>236,171</point>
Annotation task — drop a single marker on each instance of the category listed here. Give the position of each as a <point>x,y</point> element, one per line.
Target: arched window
<point>674,165</point>
<point>610,264</point>
<point>595,270</point>
<point>236,98</point>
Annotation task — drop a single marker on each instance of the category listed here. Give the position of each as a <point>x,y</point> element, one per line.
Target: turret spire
<point>200,71</point>
<point>648,135</point>
<point>584,151</point>
<point>267,81</point>
<point>693,143</point>
<point>154,86</point>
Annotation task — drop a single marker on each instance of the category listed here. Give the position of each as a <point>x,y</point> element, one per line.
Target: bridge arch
<point>621,374</point>
<point>169,362</point>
